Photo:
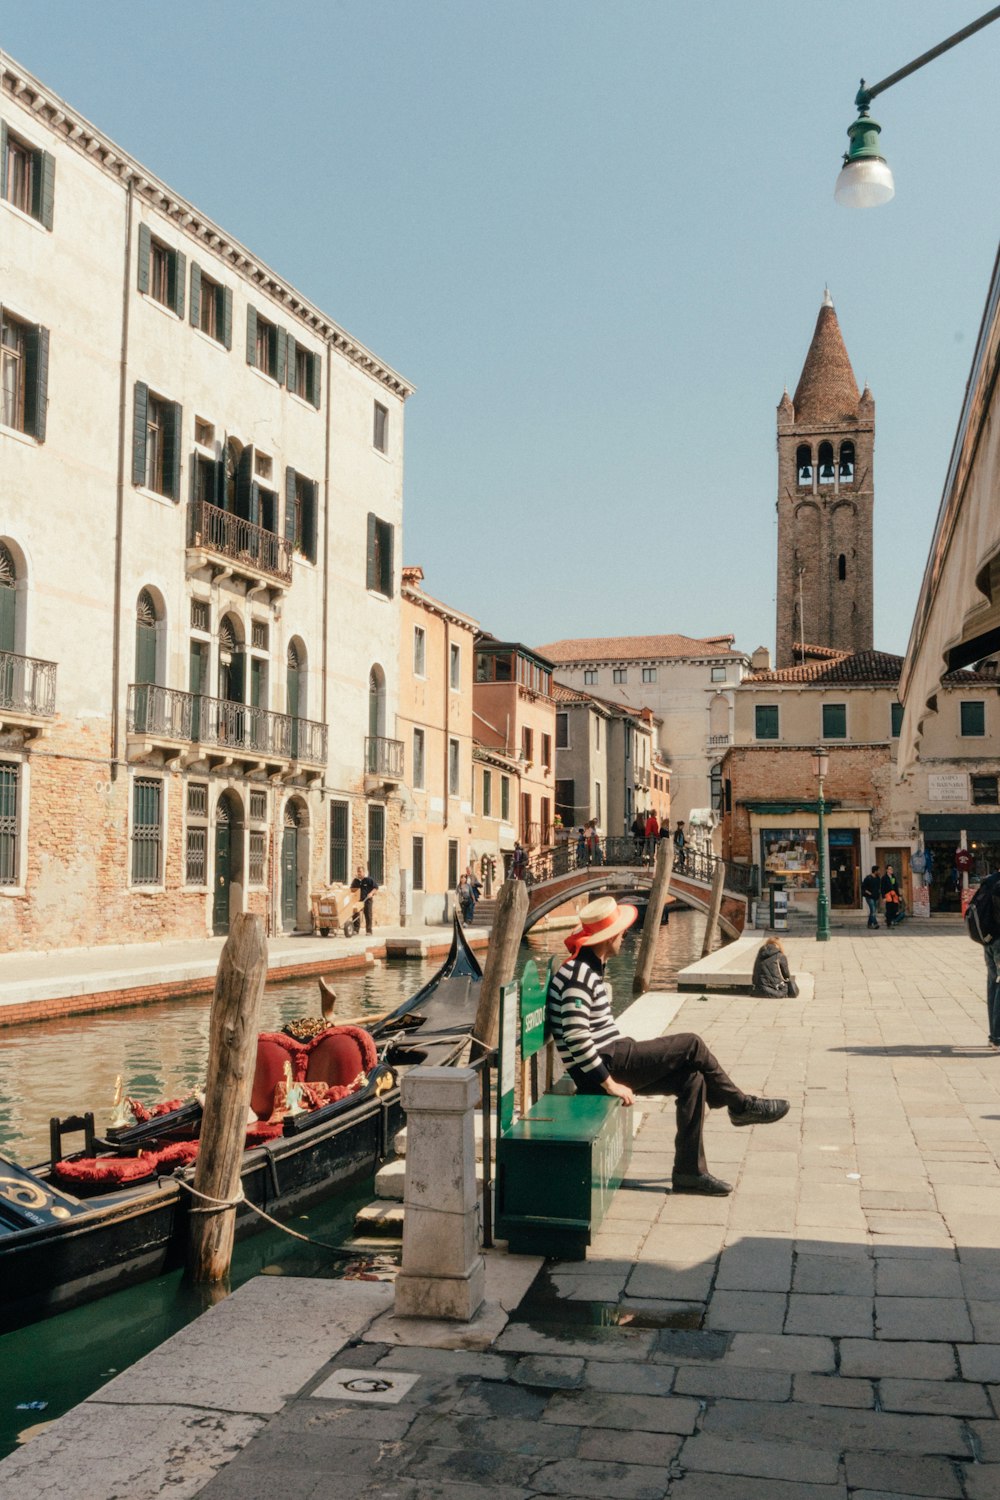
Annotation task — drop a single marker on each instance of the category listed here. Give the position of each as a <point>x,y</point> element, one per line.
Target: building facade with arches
<point>200,511</point>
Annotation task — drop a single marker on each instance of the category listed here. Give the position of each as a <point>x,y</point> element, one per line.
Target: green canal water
<point>69,1065</point>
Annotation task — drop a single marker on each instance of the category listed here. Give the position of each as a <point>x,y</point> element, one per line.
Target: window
<point>301,513</point>
<point>205,480</point>
<point>267,346</point>
<point>199,614</point>
<point>547,751</point>
<point>842,567</point>
<point>147,832</point>
<point>597,734</point>
<point>10,823</point>
<point>24,375</point>
<point>895,719</point>
<point>505,799</point>
<point>487,794</point>
<point>619,674</point>
<point>590,676</point>
<point>339,849</point>
<point>527,744</point>
<point>258,807</point>
<point>452,864</point>
<point>847,463</point>
<point>258,856</point>
<point>803,464</point>
<point>766,721</point>
<point>825,458</point>
<point>453,768</point>
<point>649,674</point>
<point>418,862</point>
<point>259,634</point>
<point>973,718</point>
<point>162,271</point>
<point>834,721</point>
<point>156,443</point>
<point>455,666</point>
<point>418,760</point>
<point>196,843</point>
<point>380,434</point>
<point>715,787</point>
<point>419,651</point>
<point>718,674</point>
<point>597,801</point>
<point>29,177</point>
<point>376,842</point>
<point>379,575</point>
<point>303,371</point>
<point>562,731</point>
<point>211,307</point>
<point>984,791</point>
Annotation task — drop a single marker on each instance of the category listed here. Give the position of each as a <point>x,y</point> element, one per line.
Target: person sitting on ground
<point>771,976</point>
<point>600,1060</point>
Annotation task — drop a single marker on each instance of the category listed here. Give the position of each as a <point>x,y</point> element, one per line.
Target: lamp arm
<point>866,94</point>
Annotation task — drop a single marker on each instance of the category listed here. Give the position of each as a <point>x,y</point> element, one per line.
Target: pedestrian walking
<point>581,847</point>
<point>652,834</point>
<point>871,889</point>
<point>982,918</point>
<point>466,900</point>
<point>890,897</point>
<point>679,842</point>
<point>366,888</point>
<point>594,843</point>
<point>600,1060</point>
<point>638,834</point>
<point>518,861</point>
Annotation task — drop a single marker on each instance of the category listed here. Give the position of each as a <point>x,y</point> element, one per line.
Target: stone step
<point>390,1180</point>
<point>381,1220</point>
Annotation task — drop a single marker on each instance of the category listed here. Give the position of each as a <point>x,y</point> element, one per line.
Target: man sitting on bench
<point>600,1060</point>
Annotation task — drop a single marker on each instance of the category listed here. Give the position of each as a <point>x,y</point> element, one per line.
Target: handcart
<point>336,910</point>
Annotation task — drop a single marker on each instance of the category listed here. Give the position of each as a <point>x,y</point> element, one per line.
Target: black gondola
<point>58,1250</point>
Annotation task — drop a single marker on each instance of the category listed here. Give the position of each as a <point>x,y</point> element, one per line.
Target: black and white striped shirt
<point>580,1020</point>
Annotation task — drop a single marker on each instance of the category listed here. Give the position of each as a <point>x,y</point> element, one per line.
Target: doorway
<point>899,858</point>
<point>289,868</point>
<point>227,897</point>
<point>844,848</point>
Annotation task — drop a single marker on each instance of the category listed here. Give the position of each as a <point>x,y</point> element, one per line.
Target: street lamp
<point>820,765</point>
<point>865,180</point>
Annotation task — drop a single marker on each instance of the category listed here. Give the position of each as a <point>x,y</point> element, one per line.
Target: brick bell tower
<point>826,437</point>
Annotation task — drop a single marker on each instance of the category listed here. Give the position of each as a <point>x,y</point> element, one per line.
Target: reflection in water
<point>679,944</point>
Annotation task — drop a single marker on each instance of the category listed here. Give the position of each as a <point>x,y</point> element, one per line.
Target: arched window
<point>826,463</point>
<point>145,638</point>
<point>230,662</point>
<point>842,567</point>
<point>8,600</point>
<point>715,780</point>
<point>804,464</point>
<point>847,463</point>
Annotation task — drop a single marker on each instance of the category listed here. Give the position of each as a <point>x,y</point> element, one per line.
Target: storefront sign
<point>952,786</point>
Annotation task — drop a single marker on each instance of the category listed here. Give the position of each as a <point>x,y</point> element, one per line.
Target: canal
<point>69,1065</point>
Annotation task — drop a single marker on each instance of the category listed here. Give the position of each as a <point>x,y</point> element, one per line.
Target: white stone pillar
<point>443,1273</point>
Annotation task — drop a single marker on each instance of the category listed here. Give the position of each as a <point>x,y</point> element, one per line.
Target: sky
<point>596,238</point>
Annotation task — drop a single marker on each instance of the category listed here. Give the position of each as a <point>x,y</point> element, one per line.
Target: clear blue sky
<point>596,237</point>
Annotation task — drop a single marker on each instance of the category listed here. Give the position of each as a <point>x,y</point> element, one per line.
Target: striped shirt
<point>580,1020</point>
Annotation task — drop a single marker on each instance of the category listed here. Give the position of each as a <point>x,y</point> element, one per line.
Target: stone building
<point>199,583</point>
<point>514,718</point>
<point>686,682</point>
<point>608,764</point>
<point>826,436</point>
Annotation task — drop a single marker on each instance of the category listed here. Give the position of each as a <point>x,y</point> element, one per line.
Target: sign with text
<point>533,992</point>
<point>952,786</point>
<point>507,1062</point>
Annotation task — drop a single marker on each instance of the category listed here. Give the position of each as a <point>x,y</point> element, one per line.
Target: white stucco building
<point>200,516</point>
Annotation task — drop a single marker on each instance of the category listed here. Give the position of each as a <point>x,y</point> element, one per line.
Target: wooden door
<point>289,874</point>
<point>223,871</point>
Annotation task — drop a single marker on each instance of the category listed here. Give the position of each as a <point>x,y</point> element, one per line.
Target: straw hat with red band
<point>602,919</point>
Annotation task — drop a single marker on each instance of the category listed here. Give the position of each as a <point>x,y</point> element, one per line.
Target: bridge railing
<point>628,852</point>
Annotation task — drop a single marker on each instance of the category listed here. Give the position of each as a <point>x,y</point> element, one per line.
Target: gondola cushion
<point>339,1055</point>
<point>274,1049</point>
<point>102,1172</point>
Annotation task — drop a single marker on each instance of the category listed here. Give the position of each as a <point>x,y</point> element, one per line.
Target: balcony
<point>27,693</point>
<point>642,777</point>
<point>718,742</point>
<point>231,546</point>
<point>383,762</point>
<point>190,727</point>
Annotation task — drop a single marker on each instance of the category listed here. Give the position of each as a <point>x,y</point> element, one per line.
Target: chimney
<point>760,661</point>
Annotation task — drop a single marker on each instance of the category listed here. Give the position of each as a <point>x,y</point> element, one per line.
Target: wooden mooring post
<point>232,1055</point>
<point>662,869</point>
<point>501,961</point>
<point>714,907</point>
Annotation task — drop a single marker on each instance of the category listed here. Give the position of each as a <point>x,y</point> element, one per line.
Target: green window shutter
<point>290,506</point>
<point>227,317</point>
<point>253,513</point>
<point>172,457</point>
<point>48,188</point>
<point>317,366</point>
<point>178,274</point>
<point>388,538</point>
<point>251,335</point>
<point>309,521</point>
<point>372,576</point>
<point>280,355</point>
<point>244,482</point>
<point>140,415</point>
<point>195,294</point>
<point>290,352</point>
<point>3,160</point>
<point>145,245</point>
<point>36,382</point>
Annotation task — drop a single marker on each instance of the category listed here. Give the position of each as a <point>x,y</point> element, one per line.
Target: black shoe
<point>754,1111</point>
<point>701,1182</point>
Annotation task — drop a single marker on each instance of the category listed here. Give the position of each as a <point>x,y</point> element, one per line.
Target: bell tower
<point>826,437</point>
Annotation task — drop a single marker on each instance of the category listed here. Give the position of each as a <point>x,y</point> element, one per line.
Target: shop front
<point>944,834</point>
<point>785,841</point>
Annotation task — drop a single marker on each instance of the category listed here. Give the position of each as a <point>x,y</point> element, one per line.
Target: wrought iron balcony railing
<point>27,686</point>
<point>168,713</point>
<point>383,757</point>
<point>240,541</point>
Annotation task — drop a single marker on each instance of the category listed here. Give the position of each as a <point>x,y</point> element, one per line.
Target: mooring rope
<point>217,1205</point>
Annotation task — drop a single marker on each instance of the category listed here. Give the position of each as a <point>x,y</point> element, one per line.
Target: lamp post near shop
<point>865,180</point>
<point>820,765</point>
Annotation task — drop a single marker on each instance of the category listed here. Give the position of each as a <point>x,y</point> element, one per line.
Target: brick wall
<point>860,774</point>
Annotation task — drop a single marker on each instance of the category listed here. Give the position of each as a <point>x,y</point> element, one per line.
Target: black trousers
<point>679,1064</point>
<point>369,906</point>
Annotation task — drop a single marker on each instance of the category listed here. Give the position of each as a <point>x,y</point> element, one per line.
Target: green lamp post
<point>820,765</point>
<point>865,180</point>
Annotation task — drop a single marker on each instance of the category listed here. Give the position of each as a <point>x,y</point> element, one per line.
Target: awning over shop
<point>951,825</point>
<point>957,620</point>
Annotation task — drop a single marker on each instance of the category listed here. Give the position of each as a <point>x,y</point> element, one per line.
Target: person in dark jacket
<point>890,897</point>
<point>871,889</point>
<point>771,977</point>
<point>365,887</point>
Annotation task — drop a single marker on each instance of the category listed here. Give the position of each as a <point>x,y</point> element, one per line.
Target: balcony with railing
<point>27,691</point>
<point>383,760</point>
<point>161,718</point>
<point>233,545</point>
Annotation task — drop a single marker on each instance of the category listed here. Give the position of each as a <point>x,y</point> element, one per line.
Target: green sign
<point>533,992</point>
<point>507,1060</point>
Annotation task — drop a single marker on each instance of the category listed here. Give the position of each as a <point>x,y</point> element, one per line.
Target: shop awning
<point>957,619</point>
<point>951,825</point>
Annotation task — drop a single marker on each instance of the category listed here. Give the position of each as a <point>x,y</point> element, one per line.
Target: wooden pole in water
<point>232,1055</point>
<point>501,961</point>
<point>662,868</point>
<point>714,907</point>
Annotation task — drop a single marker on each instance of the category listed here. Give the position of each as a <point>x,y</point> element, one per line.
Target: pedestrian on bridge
<point>652,834</point>
<point>639,834</point>
<point>600,1060</point>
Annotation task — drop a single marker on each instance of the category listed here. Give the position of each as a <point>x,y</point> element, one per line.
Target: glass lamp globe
<point>865,183</point>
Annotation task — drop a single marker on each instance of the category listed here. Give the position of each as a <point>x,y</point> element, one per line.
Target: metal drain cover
<point>384,1386</point>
